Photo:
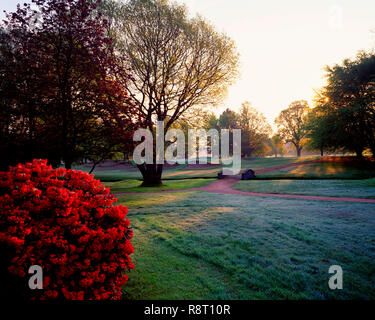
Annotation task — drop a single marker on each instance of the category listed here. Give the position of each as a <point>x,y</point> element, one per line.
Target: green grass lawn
<point>191,173</point>
<point>262,163</point>
<point>200,245</point>
<point>113,174</point>
<point>331,170</point>
<point>330,188</point>
<point>182,172</point>
<point>179,172</point>
<point>134,185</point>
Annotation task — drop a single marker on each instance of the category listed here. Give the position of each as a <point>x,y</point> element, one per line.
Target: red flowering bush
<point>64,221</point>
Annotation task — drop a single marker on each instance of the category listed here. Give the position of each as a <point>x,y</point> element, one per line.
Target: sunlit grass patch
<point>140,201</point>
<point>332,170</point>
<point>130,186</point>
<point>263,163</point>
<point>185,174</point>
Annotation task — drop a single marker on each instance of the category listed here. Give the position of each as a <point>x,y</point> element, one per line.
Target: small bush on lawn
<point>64,221</point>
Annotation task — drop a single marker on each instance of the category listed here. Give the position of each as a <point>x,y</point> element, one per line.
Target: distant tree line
<point>256,133</point>
<point>343,118</point>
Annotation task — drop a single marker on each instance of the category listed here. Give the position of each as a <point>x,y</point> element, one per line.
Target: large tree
<point>291,124</point>
<point>345,113</point>
<point>63,90</point>
<point>177,62</point>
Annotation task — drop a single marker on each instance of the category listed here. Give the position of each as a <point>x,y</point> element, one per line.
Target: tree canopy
<point>63,92</point>
<point>291,124</point>
<point>344,116</point>
<point>277,145</point>
<point>255,130</point>
<point>177,62</point>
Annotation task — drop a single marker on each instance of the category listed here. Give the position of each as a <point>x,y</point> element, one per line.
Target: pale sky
<point>284,45</point>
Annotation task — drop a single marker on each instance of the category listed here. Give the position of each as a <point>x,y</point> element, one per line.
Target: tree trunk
<point>68,163</point>
<point>321,152</point>
<point>151,174</point>
<point>94,166</point>
<point>359,152</point>
<point>126,156</point>
<point>299,150</point>
<point>372,148</point>
<point>54,162</point>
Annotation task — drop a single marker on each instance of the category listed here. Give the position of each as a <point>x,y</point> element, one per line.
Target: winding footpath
<point>224,186</point>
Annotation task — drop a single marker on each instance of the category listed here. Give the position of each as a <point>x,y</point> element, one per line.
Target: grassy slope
<point>323,170</point>
<point>331,188</point>
<point>262,163</point>
<point>134,185</point>
<point>113,174</point>
<point>198,245</point>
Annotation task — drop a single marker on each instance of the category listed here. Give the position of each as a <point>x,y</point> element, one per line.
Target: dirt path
<point>224,186</point>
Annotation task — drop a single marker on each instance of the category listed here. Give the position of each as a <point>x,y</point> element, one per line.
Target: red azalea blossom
<point>64,221</point>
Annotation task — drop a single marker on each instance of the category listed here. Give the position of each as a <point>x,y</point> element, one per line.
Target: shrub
<point>64,221</point>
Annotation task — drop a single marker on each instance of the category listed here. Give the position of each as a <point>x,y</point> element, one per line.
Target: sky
<point>283,45</point>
